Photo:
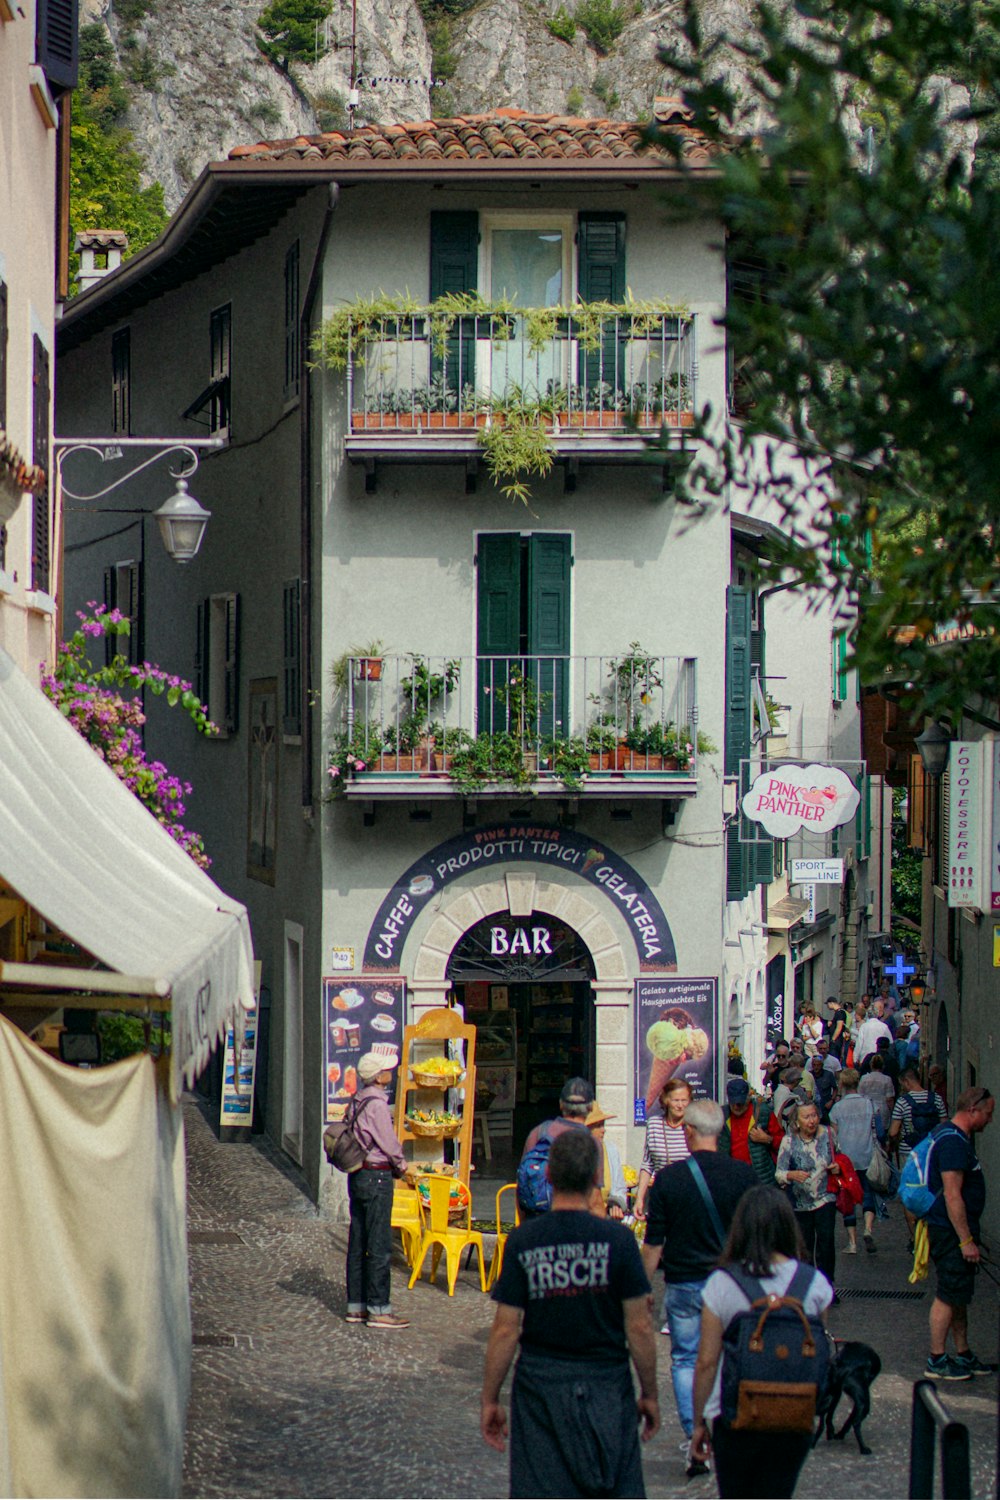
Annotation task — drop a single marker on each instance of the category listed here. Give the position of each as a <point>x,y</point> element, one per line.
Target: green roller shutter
<point>549,564</point>
<point>498,623</point>
<point>601,278</point>
<point>739,855</point>
<point>455,268</point>
<point>523,611</point>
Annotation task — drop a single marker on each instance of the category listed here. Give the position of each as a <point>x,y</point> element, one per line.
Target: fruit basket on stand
<point>433,1124</point>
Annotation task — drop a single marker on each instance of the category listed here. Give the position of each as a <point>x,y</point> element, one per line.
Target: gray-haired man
<point>689,1210</point>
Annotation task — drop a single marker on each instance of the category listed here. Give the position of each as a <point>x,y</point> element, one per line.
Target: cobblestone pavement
<point>288,1399</point>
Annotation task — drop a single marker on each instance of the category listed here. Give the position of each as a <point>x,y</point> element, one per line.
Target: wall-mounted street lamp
<point>933,745</point>
<point>181,519</point>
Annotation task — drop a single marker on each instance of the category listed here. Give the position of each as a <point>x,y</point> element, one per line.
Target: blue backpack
<point>775,1358</point>
<point>915,1192</point>
<point>534,1190</point>
<point>925,1116</point>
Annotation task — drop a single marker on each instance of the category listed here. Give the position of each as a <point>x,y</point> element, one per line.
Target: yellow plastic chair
<point>439,1234</point>
<point>497,1261</point>
<point>406,1218</point>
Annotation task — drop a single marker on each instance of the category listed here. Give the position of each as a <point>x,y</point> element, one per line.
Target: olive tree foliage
<point>864,315</point>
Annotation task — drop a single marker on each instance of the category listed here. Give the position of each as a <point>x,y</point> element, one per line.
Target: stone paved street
<point>288,1399</point>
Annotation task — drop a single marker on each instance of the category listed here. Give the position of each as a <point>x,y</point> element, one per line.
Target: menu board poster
<point>359,1015</point>
<point>239,1066</point>
<point>675,1037</point>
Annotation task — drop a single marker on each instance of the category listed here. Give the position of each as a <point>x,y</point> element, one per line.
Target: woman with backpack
<point>764,1244</point>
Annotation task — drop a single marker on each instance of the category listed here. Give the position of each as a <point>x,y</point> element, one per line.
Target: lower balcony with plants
<point>416,726</point>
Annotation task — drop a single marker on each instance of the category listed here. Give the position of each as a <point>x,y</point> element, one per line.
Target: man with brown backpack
<point>370,1190</point>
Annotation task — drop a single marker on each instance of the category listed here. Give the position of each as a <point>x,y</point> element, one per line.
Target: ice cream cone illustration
<point>672,1039</point>
<point>591,858</point>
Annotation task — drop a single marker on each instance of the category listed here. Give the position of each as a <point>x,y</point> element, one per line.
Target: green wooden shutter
<point>839,666</point>
<point>292,669</point>
<point>455,268</point>
<point>57,47</point>
<point>498,621</point>
<point>201,651</point>
<point>549,565</point>
<point>601,278</point>
<point>231,697</point>
<point>41,534</point>
<point>863,818</point>
<point>739,855</point>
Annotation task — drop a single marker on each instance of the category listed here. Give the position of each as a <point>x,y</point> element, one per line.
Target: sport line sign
<point>787,798</point>
<point>817,872</point>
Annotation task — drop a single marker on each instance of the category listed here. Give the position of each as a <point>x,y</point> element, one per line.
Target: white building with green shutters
<point>485,687</point>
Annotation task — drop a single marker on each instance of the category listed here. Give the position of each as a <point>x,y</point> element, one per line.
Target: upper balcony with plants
<point>413,725</point>
<point>518,385</point>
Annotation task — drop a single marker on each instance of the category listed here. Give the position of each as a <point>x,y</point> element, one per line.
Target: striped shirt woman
<point>666,1141</point>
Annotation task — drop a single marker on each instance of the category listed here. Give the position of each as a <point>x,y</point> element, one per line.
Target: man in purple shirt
<point>369,1247</point>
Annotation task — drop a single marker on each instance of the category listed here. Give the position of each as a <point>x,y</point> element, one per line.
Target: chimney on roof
<point>100,252</point>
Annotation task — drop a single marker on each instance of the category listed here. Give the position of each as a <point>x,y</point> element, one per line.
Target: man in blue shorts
<point>956,1175</point>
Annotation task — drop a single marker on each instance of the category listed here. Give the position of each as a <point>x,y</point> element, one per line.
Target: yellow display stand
<point>430,1036</point>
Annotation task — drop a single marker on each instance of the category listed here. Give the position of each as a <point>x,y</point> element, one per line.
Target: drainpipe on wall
<point>305,500</point>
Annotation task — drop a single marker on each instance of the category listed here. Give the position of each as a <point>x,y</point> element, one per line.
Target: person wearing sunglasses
<point>955,1174</point>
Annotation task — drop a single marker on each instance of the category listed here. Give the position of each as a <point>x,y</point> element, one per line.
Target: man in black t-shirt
<point>837,1027</point>
<point>954,1173</point>
<point>688,1213</point>
<point>573,1293</point>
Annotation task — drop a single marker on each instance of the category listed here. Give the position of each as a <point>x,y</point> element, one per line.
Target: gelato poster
<point>359,1015</point>
<point>675,1037</point>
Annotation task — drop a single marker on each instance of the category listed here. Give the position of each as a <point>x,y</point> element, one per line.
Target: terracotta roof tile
<point>506,134</point>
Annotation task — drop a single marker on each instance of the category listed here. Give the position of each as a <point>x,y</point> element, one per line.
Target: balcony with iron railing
<point>597,383</point>
<point>428,726</point>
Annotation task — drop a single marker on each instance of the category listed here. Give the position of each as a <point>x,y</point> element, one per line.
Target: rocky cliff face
<point>209,88</point>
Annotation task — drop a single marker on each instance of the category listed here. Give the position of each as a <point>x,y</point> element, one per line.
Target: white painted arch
<point>520,892</point>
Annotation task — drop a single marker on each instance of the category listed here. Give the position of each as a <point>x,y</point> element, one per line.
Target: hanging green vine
<point>368,320</point>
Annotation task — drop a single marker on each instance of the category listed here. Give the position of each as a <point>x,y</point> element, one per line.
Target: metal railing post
<point>929,1415</point>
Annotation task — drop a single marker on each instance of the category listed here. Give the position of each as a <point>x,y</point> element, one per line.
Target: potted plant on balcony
<point>516,443</point>
<point>367,664</point>
<point>420,691</point>
<point>353,754</point>
<point>602,743</point>
<point>447,743</point>
<point>523,707</point>
<point>401,747</point>
<point>491,759</point>
<point>568,760</point>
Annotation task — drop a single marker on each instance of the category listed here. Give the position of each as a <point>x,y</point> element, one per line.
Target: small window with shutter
<point>292,350</point>
<point>291,682</point>
<point>217,660</point>
<point>123,591</point>
<point>41,534</point>
<point>121,382</point>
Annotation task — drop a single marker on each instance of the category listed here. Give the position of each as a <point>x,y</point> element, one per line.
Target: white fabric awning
<point>83,851</point>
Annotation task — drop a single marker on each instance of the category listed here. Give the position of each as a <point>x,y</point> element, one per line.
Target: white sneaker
<point>850,1249</point>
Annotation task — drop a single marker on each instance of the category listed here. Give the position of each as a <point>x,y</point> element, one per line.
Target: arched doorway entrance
<point>525,982</point>
<point>523,894</point>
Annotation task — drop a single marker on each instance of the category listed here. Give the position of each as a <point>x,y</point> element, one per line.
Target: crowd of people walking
<point>734,1202</point>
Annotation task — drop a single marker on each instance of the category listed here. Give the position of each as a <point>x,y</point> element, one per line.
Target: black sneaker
<point>944,1367</point>
<point>696,1468</point>
<point>869,1244</point>
<point>972,1363</point>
